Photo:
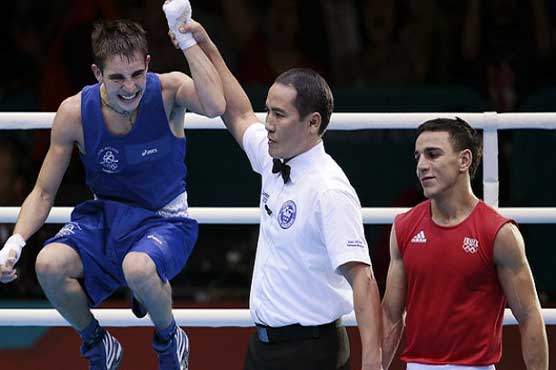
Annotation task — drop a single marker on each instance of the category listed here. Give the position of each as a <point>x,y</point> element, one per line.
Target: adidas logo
<point>419,237</point>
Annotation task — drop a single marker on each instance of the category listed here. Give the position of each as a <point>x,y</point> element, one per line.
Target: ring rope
<point>338,121</point>
<point>250,215</point>
<point>184,317</point>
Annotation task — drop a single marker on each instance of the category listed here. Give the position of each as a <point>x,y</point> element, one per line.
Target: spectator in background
<point>13,187</point>
<point>403,43</point>
<point>550,70</point>
<point>344,40</point>
<point>275,40</point>
<point>505,43</point>
<point>383,57</point>
<point>12,181</point>
<point>387,56</point>
<point>22,55</point>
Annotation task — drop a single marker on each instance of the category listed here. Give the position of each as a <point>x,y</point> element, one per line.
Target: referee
<point>312,264</point>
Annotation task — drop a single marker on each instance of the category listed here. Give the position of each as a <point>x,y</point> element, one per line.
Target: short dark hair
<point>119,37</point>
<point>462,136</point>
<point>313,93</point>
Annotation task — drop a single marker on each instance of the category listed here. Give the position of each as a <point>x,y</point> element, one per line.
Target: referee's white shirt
<point>309,227</point>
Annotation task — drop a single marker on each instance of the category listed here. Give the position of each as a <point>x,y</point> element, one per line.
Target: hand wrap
<point>178,13</point>
<point>14,243</point>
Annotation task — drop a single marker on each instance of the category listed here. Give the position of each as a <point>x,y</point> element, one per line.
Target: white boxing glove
<point>178,12</point>
<point>14,243</point>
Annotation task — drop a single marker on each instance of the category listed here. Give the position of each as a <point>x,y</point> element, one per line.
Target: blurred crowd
<point>504,51</point>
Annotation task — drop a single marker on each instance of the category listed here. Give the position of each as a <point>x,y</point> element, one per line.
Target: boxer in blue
<point>135,232</point>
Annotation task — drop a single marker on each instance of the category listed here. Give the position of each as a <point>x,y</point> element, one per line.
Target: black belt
<point>267,334</point>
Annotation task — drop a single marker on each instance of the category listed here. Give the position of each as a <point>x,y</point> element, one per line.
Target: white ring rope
<point>250,215</point>
<point>184,317</point>
<point>339,121</point>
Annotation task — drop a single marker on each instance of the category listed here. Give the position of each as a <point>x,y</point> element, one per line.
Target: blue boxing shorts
<point>103,232</point>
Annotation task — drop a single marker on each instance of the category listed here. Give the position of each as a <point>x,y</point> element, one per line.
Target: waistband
<point>176,207</point>
<point>267,334</point>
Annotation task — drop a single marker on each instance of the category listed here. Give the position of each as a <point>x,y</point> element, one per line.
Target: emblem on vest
<point>470,245</point>
<point>287,214</point>
<point>108,158</point>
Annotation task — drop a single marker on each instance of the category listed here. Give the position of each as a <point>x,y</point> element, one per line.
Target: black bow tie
<point>283,168</point>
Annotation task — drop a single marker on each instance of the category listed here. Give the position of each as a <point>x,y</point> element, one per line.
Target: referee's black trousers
<point>329,351</point>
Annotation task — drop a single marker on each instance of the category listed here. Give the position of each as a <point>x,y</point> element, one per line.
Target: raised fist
<point>178,13</point>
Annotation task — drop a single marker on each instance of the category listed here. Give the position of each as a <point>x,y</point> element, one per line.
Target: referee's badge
<point>287,214</point>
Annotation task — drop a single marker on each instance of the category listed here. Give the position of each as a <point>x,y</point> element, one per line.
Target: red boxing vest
<point>454,302</point>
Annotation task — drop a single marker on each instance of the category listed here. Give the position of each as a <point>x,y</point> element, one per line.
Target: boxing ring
<point>489,122</point>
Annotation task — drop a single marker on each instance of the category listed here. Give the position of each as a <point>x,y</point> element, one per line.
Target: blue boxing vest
<point>144,168</point>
